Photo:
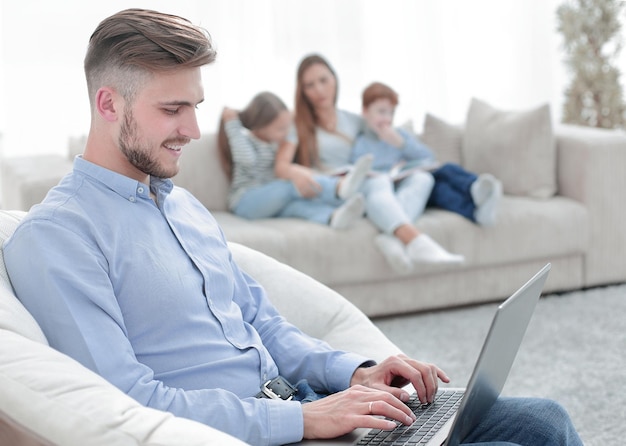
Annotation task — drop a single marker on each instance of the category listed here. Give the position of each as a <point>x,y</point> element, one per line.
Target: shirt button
<point>140,190</point>
<point>131,199</point>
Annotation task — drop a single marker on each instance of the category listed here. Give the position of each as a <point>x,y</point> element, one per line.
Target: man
<point>132,276</point>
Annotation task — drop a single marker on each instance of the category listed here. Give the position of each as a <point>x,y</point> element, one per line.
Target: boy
<point>475,197</point>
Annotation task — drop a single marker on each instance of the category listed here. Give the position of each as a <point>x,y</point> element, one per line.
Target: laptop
<point>456,411</point>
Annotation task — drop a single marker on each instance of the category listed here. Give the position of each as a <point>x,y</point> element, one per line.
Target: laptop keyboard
<point>430,419</point>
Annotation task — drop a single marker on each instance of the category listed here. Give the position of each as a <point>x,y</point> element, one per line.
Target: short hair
<point>376,91</point>
<point>133,44</point>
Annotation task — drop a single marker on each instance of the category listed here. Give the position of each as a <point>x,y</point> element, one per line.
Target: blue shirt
<point>148,296</point>
<point>387,156</point>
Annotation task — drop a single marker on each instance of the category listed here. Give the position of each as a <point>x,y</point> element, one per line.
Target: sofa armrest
<point>590,170</point>
<point>27,180</point>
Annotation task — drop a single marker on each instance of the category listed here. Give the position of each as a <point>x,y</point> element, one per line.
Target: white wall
<point>436,53</point>
<point>2,96</point>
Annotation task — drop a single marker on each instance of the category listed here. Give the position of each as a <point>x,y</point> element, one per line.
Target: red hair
<point>376,91</point>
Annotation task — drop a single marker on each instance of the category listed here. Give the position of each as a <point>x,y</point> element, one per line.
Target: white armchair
<point>48,398</point>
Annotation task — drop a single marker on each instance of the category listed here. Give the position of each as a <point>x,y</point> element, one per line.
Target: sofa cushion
<point>443,138</point>
<point>527,229</point>
<point>518,147</point>
<point>201,172</point>
<point>325,254</point>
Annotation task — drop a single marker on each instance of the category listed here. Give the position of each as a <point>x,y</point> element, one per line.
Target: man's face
<point>159,122</point>
<point>379,114</point>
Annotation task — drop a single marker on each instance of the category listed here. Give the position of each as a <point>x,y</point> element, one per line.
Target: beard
<point>138,152</point>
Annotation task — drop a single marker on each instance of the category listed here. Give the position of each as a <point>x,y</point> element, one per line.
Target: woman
<point>324,138</point>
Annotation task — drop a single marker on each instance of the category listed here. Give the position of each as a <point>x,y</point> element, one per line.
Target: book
<point>397,172</point>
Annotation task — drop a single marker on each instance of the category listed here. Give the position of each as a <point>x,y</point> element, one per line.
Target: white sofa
<point>47,398</point>
<point>563,204</point>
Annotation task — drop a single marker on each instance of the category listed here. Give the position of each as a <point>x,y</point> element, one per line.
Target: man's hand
<point>396,372</point>
<point>357,406</point>
<point>375,393</point>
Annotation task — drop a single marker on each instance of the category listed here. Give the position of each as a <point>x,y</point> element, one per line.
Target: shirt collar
<point>122,185</point>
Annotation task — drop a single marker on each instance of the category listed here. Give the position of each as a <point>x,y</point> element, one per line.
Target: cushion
<point>201,173</point>
<point>60,400</point>
<point>443,138</point>
<point>13,315</point>
<point>518,147</point>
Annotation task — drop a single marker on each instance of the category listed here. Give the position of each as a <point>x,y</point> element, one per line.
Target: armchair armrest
<point>590,170</point>
<point>48,398</point>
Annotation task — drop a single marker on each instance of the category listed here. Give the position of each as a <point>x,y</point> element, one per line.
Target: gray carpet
<point>574,352</point>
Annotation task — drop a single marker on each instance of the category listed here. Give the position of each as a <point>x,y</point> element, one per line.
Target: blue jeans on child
<point>280,198</point>
<point>452,190</point>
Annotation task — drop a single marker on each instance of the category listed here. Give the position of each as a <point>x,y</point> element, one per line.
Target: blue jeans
<point>452,190</point>
<point>524,421</point>
<point>389,205</point>
<point>510,421</point>
<point>280,198</point>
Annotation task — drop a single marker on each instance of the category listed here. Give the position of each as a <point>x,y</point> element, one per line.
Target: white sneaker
<point>394,252</point>
<point>351,183</point>
<point>348,213</point>
<point>486,210</point>
<point>423,249</point>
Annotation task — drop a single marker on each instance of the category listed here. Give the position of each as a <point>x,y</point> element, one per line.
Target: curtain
<point>436,54</point>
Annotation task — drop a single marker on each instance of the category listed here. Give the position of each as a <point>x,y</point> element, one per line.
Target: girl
<point>248,141</point>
